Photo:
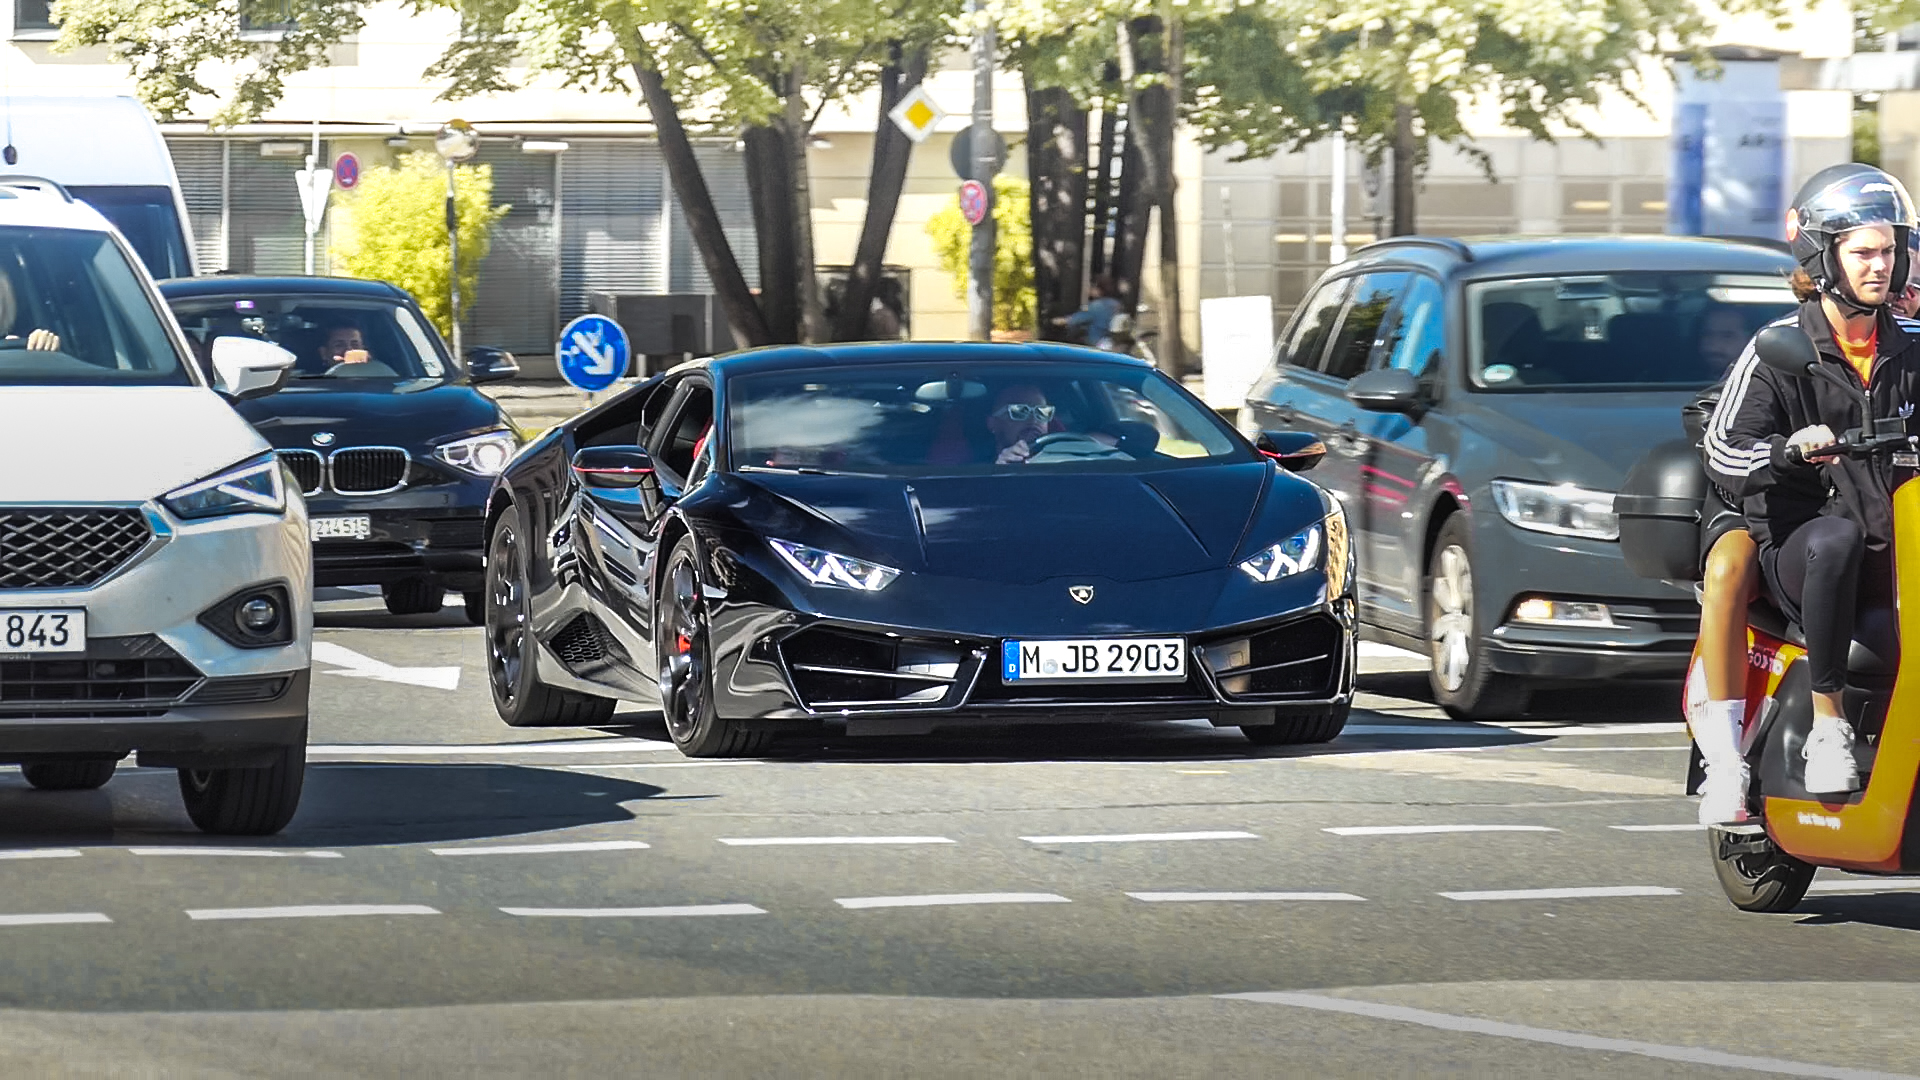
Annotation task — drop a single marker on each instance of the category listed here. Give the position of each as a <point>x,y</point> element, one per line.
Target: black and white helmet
<point>1838,200</point>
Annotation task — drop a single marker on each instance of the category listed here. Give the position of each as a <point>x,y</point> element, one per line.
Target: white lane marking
<point>1590,893</point>
<point>543,849</point>
<point>1371,650</point>
<point>1681,826</point>
<point>634,912</point>
<point>663,765</point>
<point>1866,884</point>
<point>1613,749</point>
<point>1139,838</point>
<point>950,899</point>
<point>1550,728</point>
<point>582,746</point>
<point>310,911</point>
<point>41,853</point>
<point>1203,897</point>
<point>810,841</point>
<point>1692,1055</point>
<point>54,918</point>
<point>353,665</point>
<point>1425,729</point>
<point>1422,830</point>
<point>243,853</point>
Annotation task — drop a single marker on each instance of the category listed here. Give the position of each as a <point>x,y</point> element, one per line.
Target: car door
<point>1323,407</point>
<point>1275,402</point>
<point>1396,450</point>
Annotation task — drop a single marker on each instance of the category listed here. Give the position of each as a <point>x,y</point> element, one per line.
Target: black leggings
<point>1825,577</point>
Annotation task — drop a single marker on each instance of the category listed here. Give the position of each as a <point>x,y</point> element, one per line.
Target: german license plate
<point>341,528</point>
<point>1094,660</point>
<point>59,630</point>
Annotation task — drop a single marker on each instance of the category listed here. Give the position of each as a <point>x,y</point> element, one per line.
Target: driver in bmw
<point>1021,416</point>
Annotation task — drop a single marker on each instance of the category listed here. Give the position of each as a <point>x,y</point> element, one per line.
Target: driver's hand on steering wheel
<point>1014,454</point>
<point>1811,440</point>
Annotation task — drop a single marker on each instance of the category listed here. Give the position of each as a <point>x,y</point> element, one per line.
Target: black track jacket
<point>1746,438</point>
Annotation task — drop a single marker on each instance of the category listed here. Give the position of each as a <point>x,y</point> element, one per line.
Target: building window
<point>33,15</point>
<point>266,16</point>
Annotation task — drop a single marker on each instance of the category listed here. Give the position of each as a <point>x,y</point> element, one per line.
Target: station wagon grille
<point>368,470</point>
<point>67,549</point>
<point>306,468</point>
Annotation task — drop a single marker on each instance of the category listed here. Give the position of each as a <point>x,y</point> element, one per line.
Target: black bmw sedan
<point>894,538</point>
<point>379,427</point>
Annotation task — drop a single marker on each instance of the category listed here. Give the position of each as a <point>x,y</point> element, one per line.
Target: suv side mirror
<point>245,367</point>
<point>1388,390</point>
<point>621,474</point>
<point>1296,451</point>
<point>488,364</point>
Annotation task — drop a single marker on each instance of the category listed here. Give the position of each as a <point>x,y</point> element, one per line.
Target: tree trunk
<point>703,221</point>
<point>770,181</point>
<point>1140,168</point>
<point>1404,154</point>
<point>1172,354</point>
<point>1057,199</point>
<point>1105,151</point>
<point>892,151</point>
<point>813,319</point>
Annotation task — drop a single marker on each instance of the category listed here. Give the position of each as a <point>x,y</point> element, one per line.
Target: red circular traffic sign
<point>973,202</point>
<point>346,170</point>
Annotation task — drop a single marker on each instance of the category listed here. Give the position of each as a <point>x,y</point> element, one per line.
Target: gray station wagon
<point>1481,402</point>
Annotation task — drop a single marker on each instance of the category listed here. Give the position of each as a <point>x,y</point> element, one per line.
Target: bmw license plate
<point>57,630</point>
<point>358,527</point>
<point>1094,660</point>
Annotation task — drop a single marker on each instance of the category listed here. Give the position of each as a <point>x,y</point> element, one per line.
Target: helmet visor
<point>1853,202</point>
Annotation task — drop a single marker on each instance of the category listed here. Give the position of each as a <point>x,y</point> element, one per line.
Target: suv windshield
<point>352,343</point>
<point>73,312</point>
<point>1635,330</point>
<point>919,419</point>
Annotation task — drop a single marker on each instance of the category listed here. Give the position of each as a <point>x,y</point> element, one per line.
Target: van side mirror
<point>1386,390</point>
<point>246,368</point>
<point>1296,451</point>
<point>489,364</point>
<point>620,474</point>
<point>1787,349</point>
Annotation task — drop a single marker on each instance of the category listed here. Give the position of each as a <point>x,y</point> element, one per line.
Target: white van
<point>108,152</point>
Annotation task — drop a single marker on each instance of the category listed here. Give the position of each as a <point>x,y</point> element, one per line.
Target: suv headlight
<point>251,487</point>
<point>1297,554</point>
<point>830,571</point>
<point>481,455</point>
<point>1560,509</point>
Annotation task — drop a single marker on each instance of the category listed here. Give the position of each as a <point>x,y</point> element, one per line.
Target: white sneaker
<point>1723,794</point>
<point>1829,753</point>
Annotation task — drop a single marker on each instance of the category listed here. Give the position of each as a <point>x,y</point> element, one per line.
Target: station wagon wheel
<point>519,695</point>
<point>686,671</point>
<point>1462,681</point>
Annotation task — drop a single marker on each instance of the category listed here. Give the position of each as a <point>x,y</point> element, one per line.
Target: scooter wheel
<point>1758,876</point>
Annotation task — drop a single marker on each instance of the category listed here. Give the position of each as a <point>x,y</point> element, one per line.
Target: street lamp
<point>457,141</point>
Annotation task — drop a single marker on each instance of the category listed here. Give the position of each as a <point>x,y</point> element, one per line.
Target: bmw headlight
<point>1297,554</point>
<point>251,487</point>
<point>831,571</point>
<point>1560,509</point>
<point>481,455</point>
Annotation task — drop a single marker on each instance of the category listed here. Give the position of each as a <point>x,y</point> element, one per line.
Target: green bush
<point>393,227</point>
<point>1013,298</point>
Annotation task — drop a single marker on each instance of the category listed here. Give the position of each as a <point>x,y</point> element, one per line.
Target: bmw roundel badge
<point>323,438</point>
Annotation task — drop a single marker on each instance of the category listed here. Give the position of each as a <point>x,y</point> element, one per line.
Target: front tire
<point>413,596</point>
<point>1300,728</point>
<point>246,802</point>
<point>686,669</point>
<point>1463,681</point>
<point>519,696</point>
<point>1768,881</point>
<point>474,606</point>
<point>81,775</point>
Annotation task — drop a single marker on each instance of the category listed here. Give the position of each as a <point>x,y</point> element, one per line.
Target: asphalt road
<point>458,898</point>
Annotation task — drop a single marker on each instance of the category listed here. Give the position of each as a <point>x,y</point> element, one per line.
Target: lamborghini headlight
<point>831,571</point>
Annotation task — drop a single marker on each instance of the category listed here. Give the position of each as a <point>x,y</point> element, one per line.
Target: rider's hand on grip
<point>1807,443</point>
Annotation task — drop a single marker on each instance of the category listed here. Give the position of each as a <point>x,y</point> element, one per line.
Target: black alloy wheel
<point>519,696</point>
<point>686,675</point>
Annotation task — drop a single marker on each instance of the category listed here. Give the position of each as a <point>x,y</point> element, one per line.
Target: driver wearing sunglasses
<point>1020,415</point>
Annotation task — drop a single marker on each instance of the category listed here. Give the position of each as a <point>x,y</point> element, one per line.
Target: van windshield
<point>147,217</point>
<point>73,312</point>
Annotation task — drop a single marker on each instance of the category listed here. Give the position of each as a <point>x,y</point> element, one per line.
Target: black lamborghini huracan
<point>907,536</point>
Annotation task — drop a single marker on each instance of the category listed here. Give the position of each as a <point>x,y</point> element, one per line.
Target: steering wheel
<point>1059,437</point>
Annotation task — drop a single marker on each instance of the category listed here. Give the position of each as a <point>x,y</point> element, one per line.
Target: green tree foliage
<point>1013,297</point>
<point>392,227</point>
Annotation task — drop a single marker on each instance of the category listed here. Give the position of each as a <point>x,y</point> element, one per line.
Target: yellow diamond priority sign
<point>917,114</point>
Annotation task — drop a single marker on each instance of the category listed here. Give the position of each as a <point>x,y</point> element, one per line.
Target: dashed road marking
<point>686,910</point>
<point>1206,897</point>
<point>41,853</point>
<point>1613,749</point>
<point>949,900</point>
<point>1423,830</point>
<point>577,746</point>
<point>544,849</point>
<point>309,911</point>
<point>1678,826</point>
<point>825,841</point>
<point>241,853</point>
<point>1140,838</point>
<point>1589,893</point>
<point>1865,885</point>
<point>54,918</point>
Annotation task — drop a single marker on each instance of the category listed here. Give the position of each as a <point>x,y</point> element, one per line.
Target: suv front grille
<point>306,468</point>
<point>67,549</point>
<point>115,675</point>
<point>368,470</point>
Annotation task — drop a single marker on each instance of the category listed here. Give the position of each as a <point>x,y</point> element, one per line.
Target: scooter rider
<point>1824,523</point>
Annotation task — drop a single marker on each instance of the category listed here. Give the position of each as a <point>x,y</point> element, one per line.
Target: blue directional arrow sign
<point>593,352</point>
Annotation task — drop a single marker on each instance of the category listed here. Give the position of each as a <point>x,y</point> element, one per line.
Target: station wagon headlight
<point>830,571</point>
<point>251,487</point>
<point>481,455</point>
<point>1559,509</point>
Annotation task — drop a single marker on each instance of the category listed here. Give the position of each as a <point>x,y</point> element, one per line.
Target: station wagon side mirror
<point>1296,451</point>
<point>246,368</point>
<point>1387,390</point>
<point>489,364</point>
<point>619,474</point>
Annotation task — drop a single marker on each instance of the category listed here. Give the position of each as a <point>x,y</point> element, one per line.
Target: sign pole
<point>980,251</point>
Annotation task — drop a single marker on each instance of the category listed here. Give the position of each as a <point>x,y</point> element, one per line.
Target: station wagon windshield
<point>1621,331</point>
<point>73,313</point>
<point>924,419</point>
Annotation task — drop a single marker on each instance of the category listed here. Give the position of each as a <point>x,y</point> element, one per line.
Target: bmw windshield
<point>344,342</point>
<point>928,419</point>
<point>73,312</point>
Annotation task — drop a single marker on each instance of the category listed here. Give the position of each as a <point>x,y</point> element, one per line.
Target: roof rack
<point>1456,246</point>
<point>35,182</point>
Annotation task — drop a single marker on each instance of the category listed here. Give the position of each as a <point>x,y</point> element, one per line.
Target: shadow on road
<point>344,805</point>
<point>1891,909</point>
